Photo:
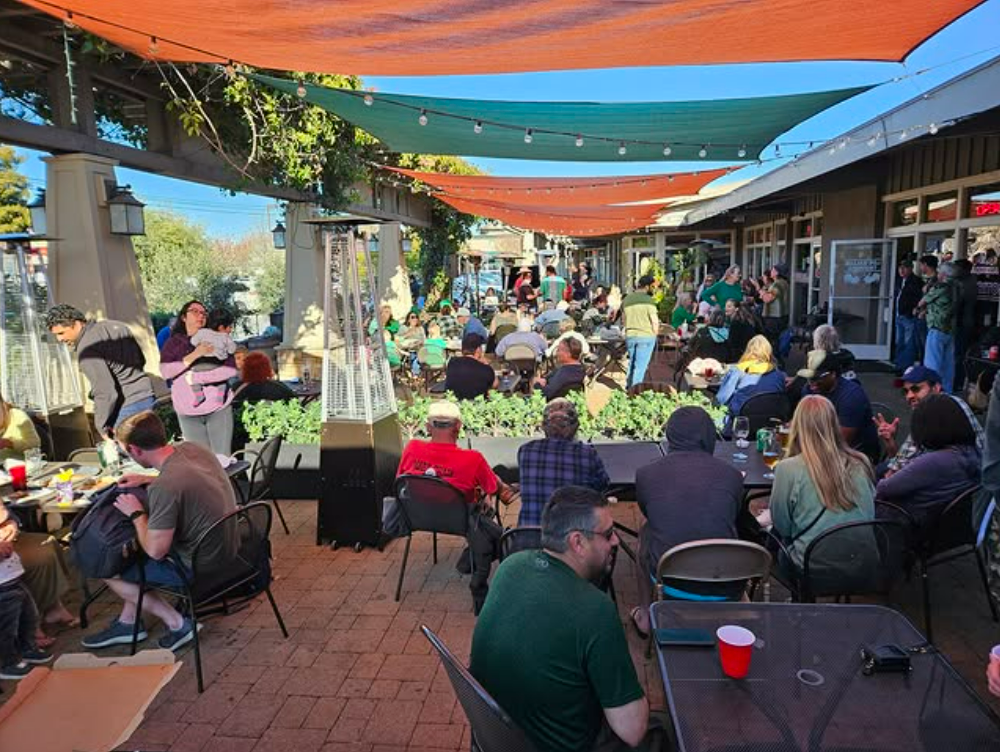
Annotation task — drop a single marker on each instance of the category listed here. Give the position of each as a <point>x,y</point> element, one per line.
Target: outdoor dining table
<point>806,690</point>
<point>748,461</point>
<point>623,458</point>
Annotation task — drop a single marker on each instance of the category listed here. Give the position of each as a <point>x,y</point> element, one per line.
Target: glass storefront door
<point>862,278</point>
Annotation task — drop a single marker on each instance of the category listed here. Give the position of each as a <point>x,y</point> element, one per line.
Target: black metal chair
<point>259,481</point>
<point>430,505</point>
<point>492,729</point>
<point>762,409</point>
<point>949,536</point>
<point>85,456</point>
<point>210,589</point>
<point>516,539</point>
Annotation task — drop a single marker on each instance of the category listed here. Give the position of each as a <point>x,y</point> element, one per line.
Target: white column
<point>393,277</point>
<point>303,322</point>
<point>89,267</point>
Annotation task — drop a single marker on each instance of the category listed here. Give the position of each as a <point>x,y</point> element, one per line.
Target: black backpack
<point>102,539</point>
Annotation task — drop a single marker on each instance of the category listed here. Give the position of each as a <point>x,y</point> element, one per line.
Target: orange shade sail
<point>561,220</point>
<point>440,37</point>
<point>547,192</point>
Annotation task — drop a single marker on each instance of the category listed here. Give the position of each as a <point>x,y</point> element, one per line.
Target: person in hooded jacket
<point>688,495</point>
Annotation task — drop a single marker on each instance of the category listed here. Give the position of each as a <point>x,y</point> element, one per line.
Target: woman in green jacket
<point>727,288</point>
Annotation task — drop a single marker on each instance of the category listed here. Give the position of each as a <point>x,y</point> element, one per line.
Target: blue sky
<point>963,45</point>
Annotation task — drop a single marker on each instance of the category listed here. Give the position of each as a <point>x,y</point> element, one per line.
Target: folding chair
<point>210,589</point>
<point>523,359</point>
<point>259,486</point>
<point>430,505</point>
<point>492,729</point>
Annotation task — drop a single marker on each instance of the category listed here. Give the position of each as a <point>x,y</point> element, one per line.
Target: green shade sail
<point>728,130</point>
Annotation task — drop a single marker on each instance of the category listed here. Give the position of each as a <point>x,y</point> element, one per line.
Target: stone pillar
<point>393,277</point>
<point>89,267</point>
<point>302,346</point>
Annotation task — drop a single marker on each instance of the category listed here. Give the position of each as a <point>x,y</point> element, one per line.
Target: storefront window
<point>779,231</point>
<point>939,243</point>
<point>904,212</point>
<point>984,201</point>
<point>984,244</point>
<point>941,207</point>
<point>803,228</point>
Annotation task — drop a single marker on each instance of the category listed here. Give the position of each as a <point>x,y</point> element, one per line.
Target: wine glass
<point>772,454</point>
<point>741,430</point>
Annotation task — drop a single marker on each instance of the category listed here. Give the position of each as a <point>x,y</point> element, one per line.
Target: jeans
<point>18,622</point>
<point>920,339</point>
<point>127,411</point>
<point>640,352</point>
<point>940,355</point>
<point>906,342</point>
<point>157,573</point>
<point>214,431</point>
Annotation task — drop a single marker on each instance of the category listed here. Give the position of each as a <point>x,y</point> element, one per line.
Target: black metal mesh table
<point>806,692</point>
<point>623,459</point>
<point>752,466</point>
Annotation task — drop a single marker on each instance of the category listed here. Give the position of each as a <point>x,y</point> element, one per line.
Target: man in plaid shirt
<point>557,460</point>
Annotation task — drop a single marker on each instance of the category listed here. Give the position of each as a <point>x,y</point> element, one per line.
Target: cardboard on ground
<point>83,703</point>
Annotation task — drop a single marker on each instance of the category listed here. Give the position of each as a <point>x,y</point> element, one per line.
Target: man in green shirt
<point>549,646</point>
<point>553,287</point>
<point>727,288</point>
<point>642,325</point>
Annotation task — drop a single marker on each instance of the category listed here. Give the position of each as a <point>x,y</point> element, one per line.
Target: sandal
<point>643,633</point>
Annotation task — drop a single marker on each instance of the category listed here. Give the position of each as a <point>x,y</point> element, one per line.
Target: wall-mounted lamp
<point>278,233</point>
<point>37,209</point>
<point>126,212</point>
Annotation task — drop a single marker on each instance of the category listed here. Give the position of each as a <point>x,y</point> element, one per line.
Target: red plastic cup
<point>735,650</point>
<point>18,477</point>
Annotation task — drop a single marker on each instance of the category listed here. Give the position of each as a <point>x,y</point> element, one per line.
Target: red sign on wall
<point>986,208</point>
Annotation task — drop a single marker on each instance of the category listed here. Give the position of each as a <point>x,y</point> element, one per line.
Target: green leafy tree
<point>14,215</point>
<point>176,261</point>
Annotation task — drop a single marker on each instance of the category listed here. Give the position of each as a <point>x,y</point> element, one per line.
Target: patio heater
<point>360,442</point>
<point>37,373</point>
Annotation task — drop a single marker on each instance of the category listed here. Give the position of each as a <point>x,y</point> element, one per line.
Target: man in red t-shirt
<point>468,471</point>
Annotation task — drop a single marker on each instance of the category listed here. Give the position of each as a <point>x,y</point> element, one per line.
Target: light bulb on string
<point>579,141</point>
<point>154,46</point>
<point>667,150</point>
<point>301,91</point>
<point>478,127</point>
<point>529,136</point>
<point>933,128</point>
<point>423,117</point>
<point>903,134</point>
<point>873,141</point>
<point>621,149</point>
<point>369,100</point>
<point>742,152</point>
<point>703,152</point>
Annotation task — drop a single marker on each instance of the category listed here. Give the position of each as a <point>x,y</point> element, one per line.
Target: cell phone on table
<point>684,637</point>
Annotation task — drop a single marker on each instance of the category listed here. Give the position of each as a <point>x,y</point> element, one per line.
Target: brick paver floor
<point>356,675</point>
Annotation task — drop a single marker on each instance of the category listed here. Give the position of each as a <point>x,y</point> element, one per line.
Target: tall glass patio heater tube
<point>360,442</point>
<point>37,373</point>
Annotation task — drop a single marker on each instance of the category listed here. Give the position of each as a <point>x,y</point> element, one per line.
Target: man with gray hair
<point>557,460</point>
<point>937,306</point>
<point>572,686</point>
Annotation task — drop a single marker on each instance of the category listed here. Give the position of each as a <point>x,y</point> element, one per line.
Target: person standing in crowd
<point>523,277</point>
<point>775,299</point>
<point>688,495</point>
<point>821,483</point>
<point>553,287</point>
<point>964,325</point>
<point>558,460</point>
<point>571,685</point>
<point>583,283</point>
<point>706,284</point>
<point>210,421</point>
<point>111,359</point>
<point>927,266</point>
<point>938,305</point>
<point>642,326</point>
<point>908,294</point>
<point>728,288</point>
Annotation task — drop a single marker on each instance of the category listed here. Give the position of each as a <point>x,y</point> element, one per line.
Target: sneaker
<point>15,671</point>
<point>176,640</point>
<point>117,633</point>
<point>36,656</point>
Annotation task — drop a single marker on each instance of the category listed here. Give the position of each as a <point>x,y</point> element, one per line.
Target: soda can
<point>763,434</point>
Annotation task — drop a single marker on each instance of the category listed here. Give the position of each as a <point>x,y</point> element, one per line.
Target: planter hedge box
<point>291,482</point>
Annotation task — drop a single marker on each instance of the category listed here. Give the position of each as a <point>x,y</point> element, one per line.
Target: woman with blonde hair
<point>17,432</point>
<point>821,483</point>
<point>755,373</point>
